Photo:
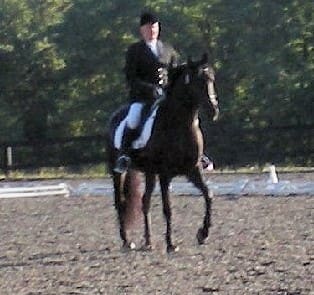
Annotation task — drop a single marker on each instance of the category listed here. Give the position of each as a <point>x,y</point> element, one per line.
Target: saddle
<point>143,131</point>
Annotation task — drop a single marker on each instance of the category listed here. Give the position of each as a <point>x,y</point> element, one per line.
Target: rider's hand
<point>158,92</point>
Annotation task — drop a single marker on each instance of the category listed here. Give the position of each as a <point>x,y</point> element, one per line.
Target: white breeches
<point>134,116</point>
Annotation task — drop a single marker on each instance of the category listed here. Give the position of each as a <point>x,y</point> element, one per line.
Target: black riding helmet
<point>149,18</point>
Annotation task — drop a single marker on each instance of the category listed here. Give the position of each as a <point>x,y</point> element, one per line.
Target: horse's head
<point>195,81</point>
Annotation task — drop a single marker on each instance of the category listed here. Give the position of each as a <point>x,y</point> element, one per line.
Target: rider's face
<point>150,32</point>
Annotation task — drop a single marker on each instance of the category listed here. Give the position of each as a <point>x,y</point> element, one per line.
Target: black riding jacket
<point>144,70</point>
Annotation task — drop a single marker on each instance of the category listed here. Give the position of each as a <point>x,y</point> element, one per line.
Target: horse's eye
<point>202,73</point>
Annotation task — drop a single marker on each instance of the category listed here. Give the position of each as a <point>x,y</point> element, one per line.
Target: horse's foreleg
<point>164,186</point>
<point>149,187</point>
<point>120,206</point>
<point>196,178</point>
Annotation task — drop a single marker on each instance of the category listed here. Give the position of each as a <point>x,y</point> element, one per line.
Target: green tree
<point>61,70</point>
<point>30,64</point>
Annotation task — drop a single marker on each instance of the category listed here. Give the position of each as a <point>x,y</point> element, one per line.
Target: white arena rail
<point>35,191</point>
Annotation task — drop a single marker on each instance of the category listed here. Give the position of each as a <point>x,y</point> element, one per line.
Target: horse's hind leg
<point>150,185</point>
<point>120,206</point>
<point>196,178</point>
<point>164,186</point>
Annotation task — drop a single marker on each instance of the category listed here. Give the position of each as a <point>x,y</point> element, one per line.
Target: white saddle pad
<point>142,140</point>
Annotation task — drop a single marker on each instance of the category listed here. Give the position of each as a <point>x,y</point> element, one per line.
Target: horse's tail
<point>131,185</point>
<point>127,190</point>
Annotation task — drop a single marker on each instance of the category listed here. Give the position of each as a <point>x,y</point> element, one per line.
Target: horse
<point>174,149</point>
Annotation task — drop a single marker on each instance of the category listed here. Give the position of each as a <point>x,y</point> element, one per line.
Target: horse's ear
<point>172,63</point>
<point>205,58</point>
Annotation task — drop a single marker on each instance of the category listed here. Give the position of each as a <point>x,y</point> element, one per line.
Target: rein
<point>201,69</point>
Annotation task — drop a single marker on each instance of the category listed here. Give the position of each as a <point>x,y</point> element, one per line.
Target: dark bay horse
<point>174,148</point>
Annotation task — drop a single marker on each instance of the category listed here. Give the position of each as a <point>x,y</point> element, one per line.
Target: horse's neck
<point>177,114</point>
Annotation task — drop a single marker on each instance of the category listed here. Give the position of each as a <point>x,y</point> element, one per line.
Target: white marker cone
<point>272,174</point>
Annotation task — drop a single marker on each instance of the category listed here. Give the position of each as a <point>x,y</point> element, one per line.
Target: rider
<point>145,69</point>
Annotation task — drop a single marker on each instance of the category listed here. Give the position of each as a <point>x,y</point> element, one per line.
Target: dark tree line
<point>61,69</point>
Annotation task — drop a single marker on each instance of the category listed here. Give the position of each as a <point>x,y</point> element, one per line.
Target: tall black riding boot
<point>123,162</point>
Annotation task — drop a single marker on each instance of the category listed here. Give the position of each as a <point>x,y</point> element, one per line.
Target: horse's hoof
<point>147,248</point>
<point>201,237</point>
<point>128,247</point>
<point>172,249</point>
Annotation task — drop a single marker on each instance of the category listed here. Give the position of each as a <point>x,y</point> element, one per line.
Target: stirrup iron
<point>122,165</point>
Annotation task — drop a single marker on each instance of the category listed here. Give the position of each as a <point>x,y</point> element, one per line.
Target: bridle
<point>208,74</point>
